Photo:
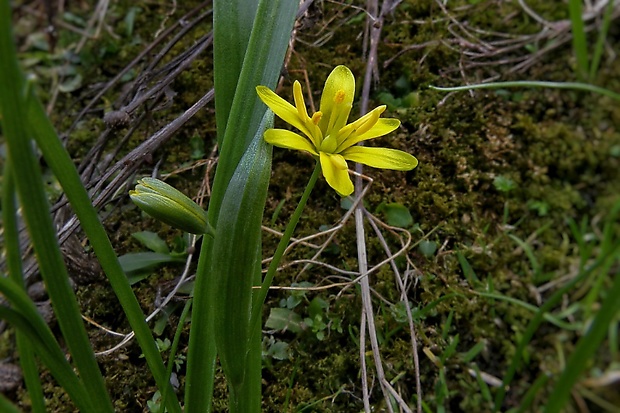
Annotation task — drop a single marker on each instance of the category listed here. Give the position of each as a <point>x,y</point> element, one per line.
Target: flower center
<point>329,144</point>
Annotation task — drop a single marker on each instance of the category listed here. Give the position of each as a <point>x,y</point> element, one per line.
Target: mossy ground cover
<point>501,175</point>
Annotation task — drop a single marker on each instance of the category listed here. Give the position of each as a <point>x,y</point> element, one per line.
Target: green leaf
<point>236,255</point>
<point>238,116</point>
<point>198,147</point>
<point>468,271</point>
<point>427,248</point>
<point>279,350</point>
<point>397,215</point>
<point>56,156</point>
<point>139,261</point>
<point>284,319</point>
<point>71,84</point>
<point>317,307</point>
<point>504,184</point>
<point>473,352</point>
<point>18,129</point>
<point>152,241</point>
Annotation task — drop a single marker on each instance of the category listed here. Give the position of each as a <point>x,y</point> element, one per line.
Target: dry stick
<point>98,17</point>
<point>118,77</point>
<point>367,311</point>
<point>554,33</point>
<point>155,92</point>
<point>367,314</point>
<point>404,298</point>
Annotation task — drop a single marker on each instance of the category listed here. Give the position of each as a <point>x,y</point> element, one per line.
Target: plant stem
<point>261,295</point>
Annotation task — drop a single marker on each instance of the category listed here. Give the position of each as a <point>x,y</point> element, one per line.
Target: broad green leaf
<point>139,261</point>
<point>236,257</point>
<point>152,241</point>
<point>396,214</point>
<point>284,319</point>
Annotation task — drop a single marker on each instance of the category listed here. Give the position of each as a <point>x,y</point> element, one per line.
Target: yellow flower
<point>327,134</point>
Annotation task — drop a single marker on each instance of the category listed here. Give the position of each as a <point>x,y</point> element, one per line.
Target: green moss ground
<point>561,150</point>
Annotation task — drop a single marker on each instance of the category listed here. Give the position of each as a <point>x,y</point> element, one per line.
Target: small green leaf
<point>541,207</point>
<point>151,241</point>
<point>427,248</point>
<point>130,19</point>
<point>397,215</point>
<point>279,350</point>
<point>399,311</point>
<point>468,271</point>
<point>284,319</point>
<point>317,307</point>
<point>276,212</point>
<point>346,203</point>
<point>504,184</point>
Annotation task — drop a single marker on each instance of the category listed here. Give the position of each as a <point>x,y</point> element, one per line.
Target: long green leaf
<point>262,62</point>
<point>29,323</point>
<point>14,265</point>
<point>235,266</point>
<point>6,406</point>
<point>13,101</point>
<point>60,162</point>
<point>580,46</point>
<point>600,41</point>
<point>261,66</point>
<point>232,26</point>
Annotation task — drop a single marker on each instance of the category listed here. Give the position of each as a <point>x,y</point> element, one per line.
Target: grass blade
<point>60,162</point>
<point>580,46</point>
<point>589,343</point>
<point>29,185</point>
<point>41,129</point>
<point>585,87</point>
<point>29,323</point>
<point>14,265</point>
<point>600,41</point>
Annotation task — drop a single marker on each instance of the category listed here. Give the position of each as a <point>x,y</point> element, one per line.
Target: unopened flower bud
<point>167,204</point>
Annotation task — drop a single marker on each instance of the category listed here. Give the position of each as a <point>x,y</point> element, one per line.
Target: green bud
<point>167,204</point>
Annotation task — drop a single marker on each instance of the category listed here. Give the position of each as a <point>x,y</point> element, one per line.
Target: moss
<point>557,146</point>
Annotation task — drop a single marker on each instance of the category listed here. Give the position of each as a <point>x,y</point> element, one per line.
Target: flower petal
<point>381,158</point>
<point>282,108</point>
<point>286,139</point>
<point>337,100</point>
<point>314,133</point>
<point>382,127</point>
<point>336,176</point>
